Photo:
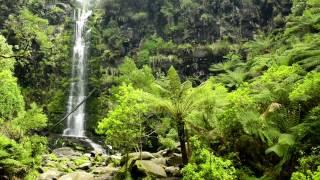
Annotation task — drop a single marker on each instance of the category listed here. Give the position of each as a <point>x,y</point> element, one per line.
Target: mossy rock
<point>149,169</point>
<point>79,175</point>
<point>136,155</point>
<point>81,160</point>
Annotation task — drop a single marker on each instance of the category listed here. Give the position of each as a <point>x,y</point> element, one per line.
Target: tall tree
<point>178,100</point>
<point>123,125</point>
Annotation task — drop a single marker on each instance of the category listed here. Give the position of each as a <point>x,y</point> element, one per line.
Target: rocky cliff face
<point>193,21</point>
<point>122,28</point>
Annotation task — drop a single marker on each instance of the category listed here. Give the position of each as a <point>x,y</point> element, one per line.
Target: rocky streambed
<point>68,164</point>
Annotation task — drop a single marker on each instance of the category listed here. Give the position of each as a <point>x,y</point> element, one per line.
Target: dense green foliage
<point>124,123</point>
<point>12,101</point>
<point>308,166</point>
<point>20,149</point>
<point>260,107</point>
<point>205,165</point>
<point>208,166</point>
<point>41,48</point>
<point>235,83</point>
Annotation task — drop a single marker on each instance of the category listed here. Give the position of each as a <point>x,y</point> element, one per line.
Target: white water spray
<point>76,121</point>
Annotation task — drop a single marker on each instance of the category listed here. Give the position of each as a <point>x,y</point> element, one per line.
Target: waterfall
<point>76,120</point>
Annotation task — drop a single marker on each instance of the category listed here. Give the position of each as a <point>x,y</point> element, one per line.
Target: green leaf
<point>286,139</point>
<point>279,149</point>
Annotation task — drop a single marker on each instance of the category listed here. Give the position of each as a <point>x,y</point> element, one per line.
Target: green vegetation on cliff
<point>235,83</point>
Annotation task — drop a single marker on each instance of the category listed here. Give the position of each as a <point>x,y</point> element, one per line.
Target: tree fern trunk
<point>182,139</point>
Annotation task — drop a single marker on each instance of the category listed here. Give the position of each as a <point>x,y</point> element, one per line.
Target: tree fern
<point>232,78</point>
<point>232,62</point>
<point>178,100</point>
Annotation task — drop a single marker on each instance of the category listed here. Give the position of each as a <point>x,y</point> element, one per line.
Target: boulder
<point>104,177</point>
<point>51,174</point>
<point>168,152</point>
<point>85,166</point>
<point>105,170</point>
<point>144,156</point>
<point>170,178</point>
<point>157,155</point>
<point>63,6</point>
<point>172,171</point>
<point>46,157</point>
<point>150,168</point>
<point>95,153</point>
<point>175,160</point>
<point>163,152</point>
<point>89,155</point>
<point>71,165</point>
<point>127,165</point>
<point>51,163</point>
<point>79,175</point>
<point>160,161</point>
<point>107,157</point>
<point>65,151</point>
<point>116,157</point>
<point>132,157</point>
<point>61,166</point>
<point>101,160</point>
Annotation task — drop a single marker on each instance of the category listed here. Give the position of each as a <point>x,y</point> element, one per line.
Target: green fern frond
<point>278,149</point>
<point>269,135</point>
<point>285,141</point>
<point>310,63</point>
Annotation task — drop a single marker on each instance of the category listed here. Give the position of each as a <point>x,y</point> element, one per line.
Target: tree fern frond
<point>310,63</point>
<point>269,135</point>
<point>278,149</point>
<point>285,141</point>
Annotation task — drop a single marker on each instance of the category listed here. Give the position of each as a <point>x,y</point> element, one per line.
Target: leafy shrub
<point>170,140</point>
<point>276,84</point>
<point>205,165</point>
<point>33,119</point>
<point>11,101</point>
<point>309,166</point>
<point>123,125</point>
<point>308,175</point>
<point>6,60</point>
<point>308,89</point>
<point>21,158</point>
<point>208,166</point>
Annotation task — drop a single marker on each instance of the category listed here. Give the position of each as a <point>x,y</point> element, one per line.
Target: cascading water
<point>76,120</point>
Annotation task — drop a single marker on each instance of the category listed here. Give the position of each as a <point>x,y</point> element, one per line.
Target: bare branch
<point>66,116</point>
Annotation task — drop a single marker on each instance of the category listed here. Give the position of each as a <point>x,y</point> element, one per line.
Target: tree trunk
<point>140,149</point>
<point>189,150</point>
<point>182,139</point>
